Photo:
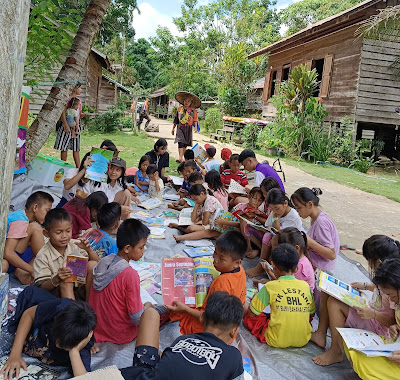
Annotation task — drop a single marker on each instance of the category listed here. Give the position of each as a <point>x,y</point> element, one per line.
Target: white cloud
<point>149,19</point>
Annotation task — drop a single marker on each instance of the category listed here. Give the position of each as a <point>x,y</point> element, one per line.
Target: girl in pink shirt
<point>216,188</point>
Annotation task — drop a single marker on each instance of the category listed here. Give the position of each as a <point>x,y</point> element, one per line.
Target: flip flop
<point>345,247</point>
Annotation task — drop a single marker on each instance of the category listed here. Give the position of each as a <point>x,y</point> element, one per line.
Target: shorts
<point>27,256</point>
<point>182,145</point>
<point>257,325</point>
<point>145,360</point>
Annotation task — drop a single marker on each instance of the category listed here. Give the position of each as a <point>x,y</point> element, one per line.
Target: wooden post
<point>14,17</point>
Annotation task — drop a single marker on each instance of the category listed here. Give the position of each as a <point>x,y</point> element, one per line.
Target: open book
<point>150,203</point>
<point>100,160</point>
<point>185,217</point>
<point>178,181</point>
<point>199,152</point>
<point>34,372</point>
<point>367,342</point>
<point>236,188</point>
<point>78,266</point>
<point>340,290</point>
<point>259,226</point>
<point>187,280</point>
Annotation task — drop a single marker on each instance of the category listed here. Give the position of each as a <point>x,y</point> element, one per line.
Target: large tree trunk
<point>48,116</point>
<point>14,16</point>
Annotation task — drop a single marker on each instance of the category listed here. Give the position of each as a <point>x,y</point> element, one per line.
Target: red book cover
<point>178,280</point>
<point>78,265</point>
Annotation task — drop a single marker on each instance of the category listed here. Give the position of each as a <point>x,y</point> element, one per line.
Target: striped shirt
<point>239,177</point>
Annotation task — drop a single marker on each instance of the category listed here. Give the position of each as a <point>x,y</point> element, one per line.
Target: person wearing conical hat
<point>185,119</point>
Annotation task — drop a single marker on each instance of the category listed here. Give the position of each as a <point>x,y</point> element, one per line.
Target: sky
<point>161,12</point>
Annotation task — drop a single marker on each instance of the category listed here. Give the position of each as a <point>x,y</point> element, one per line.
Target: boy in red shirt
<point>230,249</point>
<point>116,287</point>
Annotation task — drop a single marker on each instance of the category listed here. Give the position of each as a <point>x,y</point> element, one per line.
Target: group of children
<point>51,325</point>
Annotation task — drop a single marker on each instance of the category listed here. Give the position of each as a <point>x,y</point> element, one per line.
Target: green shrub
<point>362,164</point>
<point>269,137</point>
<point>213,120</point>
<point>321,145</point>
<point>250,134</point>
<point>126,122</point>
<point>233,101</point>
<point>107,122</point>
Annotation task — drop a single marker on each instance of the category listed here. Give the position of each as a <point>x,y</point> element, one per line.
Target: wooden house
<point>160,105</point>
<point>98,91</point>
<point>254,103</point>
<point>355,75</point>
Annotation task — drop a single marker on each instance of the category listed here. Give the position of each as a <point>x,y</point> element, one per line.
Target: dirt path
<point>356,214</point>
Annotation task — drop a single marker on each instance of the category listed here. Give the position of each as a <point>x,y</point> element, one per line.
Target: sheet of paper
<point>146,297</point>
<point>198,243</point>
<point>157,231</point>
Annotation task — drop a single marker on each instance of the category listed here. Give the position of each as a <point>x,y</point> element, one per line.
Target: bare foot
<point>358,251</point>
<point>252,254</point>
<point>179,238</point>
<point>318,338</point>
<point>173,225</point>
<point>256,271</point>
<point>332,356</point>
<point>396,235</point>
<point>262,281</point>
<point>95,349</point>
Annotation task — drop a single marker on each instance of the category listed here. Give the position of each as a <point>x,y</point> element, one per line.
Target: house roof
<point>336,22</point>
<point>259,83</point>
<point>119,85</point>
<point>102,58</point>
<point>157,93</point>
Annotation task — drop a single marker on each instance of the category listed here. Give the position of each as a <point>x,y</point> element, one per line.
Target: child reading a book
<point>50,263</point>
<point>189,356</point>
<point>387,280</point>
<point>305,271</point>
<point>234,173</point>
<point>57,331</point>
<point>229,253</point>
<point>141,177</point>
<point>291,302</point>
<point>189,167</point>
<point>283,215</point>
<point>24,236</point>
<point>377,317</point>
<point>202,216</point>
<point>216,188</point>
<point>108,220</point>
<point>189,155</point>
<point>194,178</point>
<point>116,287</point>
<point>156,184</point>
<point>84,212</point>
<point>249,161</point>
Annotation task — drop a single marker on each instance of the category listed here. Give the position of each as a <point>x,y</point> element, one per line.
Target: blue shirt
<point>140,177</point>
<point>15,216</point>
<point>101,242</point>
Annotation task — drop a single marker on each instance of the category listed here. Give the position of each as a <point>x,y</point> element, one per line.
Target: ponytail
<point>305,195</point>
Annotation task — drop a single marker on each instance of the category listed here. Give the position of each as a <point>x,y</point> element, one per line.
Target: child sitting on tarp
<point>229,252</point>
<point>187,202</point>
<point>287,323</point>
<point>156,184</point>
<point>189,167</point>
<point>57,331</point>
<point>24,236</point>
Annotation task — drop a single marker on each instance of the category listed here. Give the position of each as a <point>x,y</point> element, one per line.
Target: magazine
<point>150,203</point>
<point>199,251</point>
<point>187,280</point>
<point>35,372</point>
<point>368,343</point>
<point>78,266</point>
<point>100,160</point>
<point>185,217</point>
<point>236,188</point>
<point>224,215</point>
<point>340,290</point>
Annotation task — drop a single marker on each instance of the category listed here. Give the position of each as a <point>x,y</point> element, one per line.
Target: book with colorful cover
<point>341,291</point>
<point>78,266</point>
<point>250,210</point>
<point>368,343</point>
<point>187,280</point>
<point>199,251</point>
<point>199,152</point>
<point>149,275</point>
<point>100,160</point>
<point>224,215</point>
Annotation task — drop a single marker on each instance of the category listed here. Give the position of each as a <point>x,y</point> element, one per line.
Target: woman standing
<point>186,118</point>
<point>64,140</point>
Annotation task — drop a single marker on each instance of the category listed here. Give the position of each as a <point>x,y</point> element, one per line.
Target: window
<point>318,65</point>
<point>285,72</point>
<point>273,82</point>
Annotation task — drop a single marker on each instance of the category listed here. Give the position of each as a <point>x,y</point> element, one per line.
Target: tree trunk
<point>14,16</point>
<point>48,116</point>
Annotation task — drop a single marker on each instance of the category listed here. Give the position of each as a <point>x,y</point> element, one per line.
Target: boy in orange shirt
<point>230,249</point>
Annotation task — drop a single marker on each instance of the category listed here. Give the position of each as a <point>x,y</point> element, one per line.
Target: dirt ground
<point>356,214</point>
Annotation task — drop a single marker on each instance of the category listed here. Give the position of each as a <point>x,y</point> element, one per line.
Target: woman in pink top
<point>213,180</point>
<point>377,317</point>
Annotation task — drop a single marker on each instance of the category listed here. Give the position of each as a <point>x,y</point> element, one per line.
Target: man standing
<point>143,114</point>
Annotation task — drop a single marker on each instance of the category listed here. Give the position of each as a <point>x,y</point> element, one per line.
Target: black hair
<point>305,195</point>
<point>144,159</point>
<point>56,215</point>
<point>285,257</point>
<point>190,164</point>
<point>213,179</point>
<point>80,182</point>
<point>269,183</point>
<point>121,180</point>
<point>233,243</point>
<point>256,190</point>
<point>292,236</point>
<point>277,197</point>
<point>38,197</point>
<point>380,247</point>
<point>108,215</point>
<point>94,201</point>
<point>223,310</point>
<point>234,157</point>
<point>107,144</point>
<point>73,324</point>
<point>195,176</point>
<point>159,143</point>
<point>72,101</point>
<point>246,154</point>
<point>388,274</point>
<point>180,167</point>
<point>151,169</point>
<point>188,154</point>
<point>197,189</point>
<point>130,232</point>
<point>226,165</point>
<point>78,84</point>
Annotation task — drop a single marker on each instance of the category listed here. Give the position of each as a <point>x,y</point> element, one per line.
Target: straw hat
<point>182,95</point>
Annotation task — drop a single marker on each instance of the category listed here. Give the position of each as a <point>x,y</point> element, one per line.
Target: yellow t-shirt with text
<point>292,303</point>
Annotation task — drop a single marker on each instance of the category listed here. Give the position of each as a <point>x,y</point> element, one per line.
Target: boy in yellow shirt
<point>291,303</point>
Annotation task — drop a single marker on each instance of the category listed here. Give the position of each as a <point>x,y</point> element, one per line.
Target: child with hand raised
<point>156,184</point>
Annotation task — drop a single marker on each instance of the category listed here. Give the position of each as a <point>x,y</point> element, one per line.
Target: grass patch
<point>131,147</point>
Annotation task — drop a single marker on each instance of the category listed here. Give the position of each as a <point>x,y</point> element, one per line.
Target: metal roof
<point>123,88</point>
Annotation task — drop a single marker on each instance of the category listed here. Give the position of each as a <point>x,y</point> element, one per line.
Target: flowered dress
<point>185,119</point>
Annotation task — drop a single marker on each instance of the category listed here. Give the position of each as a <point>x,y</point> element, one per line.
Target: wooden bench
<point>223,134</point>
